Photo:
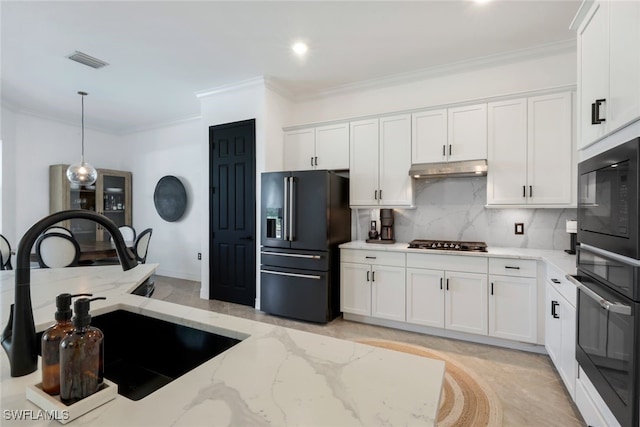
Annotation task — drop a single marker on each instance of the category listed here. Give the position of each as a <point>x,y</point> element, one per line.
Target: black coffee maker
<point>386,226</point>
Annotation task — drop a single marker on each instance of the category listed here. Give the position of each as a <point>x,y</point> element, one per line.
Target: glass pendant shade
<point>82,173</point>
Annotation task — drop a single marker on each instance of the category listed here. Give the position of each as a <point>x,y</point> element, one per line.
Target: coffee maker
<point>386,226</point>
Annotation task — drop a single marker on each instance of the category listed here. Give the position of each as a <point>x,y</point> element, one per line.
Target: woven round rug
<point>466,399</point>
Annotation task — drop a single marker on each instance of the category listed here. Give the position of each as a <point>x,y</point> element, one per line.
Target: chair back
<point>141,245</point>
<point>55,250</point>
<point>58,229</point>
<point>5,254</point>
<point>128,233</point>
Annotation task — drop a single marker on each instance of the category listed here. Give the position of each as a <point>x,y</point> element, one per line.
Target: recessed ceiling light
<point>300,48</point>
<point>481,1</point>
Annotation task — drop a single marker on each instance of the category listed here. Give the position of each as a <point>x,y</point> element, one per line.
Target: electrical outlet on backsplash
<point>454,209</point>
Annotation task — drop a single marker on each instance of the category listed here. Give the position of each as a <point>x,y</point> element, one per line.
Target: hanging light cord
<point>82,121</point>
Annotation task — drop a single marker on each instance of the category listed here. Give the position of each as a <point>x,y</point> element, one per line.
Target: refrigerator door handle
<point>281,273</point>
<point>291,255</point>
<point>285,213</point>
<point>291,210</point>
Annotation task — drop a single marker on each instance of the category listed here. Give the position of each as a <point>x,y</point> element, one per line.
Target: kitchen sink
<point>143,354</point>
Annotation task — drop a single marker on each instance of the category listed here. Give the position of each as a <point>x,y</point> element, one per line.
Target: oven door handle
<point>613,307</point>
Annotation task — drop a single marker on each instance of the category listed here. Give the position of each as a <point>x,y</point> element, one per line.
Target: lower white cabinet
<point>454,300</point>
<point>560,329</point>
<point>513,299</point>
<point>373,288</point>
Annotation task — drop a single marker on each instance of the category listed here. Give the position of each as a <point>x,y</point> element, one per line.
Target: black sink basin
<point>142,354</point>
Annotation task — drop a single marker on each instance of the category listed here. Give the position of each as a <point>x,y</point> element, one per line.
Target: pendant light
<point>82,173</point>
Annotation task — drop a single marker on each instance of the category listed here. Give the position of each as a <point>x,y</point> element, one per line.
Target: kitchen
<point>179,148</point>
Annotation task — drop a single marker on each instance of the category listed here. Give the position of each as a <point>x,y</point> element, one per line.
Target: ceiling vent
<point>87,60</point>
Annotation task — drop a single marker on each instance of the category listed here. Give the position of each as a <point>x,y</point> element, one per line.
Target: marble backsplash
<point>454,209</point>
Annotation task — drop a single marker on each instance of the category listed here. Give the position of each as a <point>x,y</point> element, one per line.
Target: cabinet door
<point>593,70</point>
<point>429,136</point>
<point>425,297</point>
<point>568,366</point>
<point>355,288</point>
<point>332,147</point>
<point>513,308</point>
<point>550,150</point>
<point>299,149</point>
<point>363,163</point>
<point>396,186</point>
<point>624,65</point>
<point>467,134</point>
<point>388,297</point>
<point>465,305</point>
<point>553,325</point>
<point>507,152</point>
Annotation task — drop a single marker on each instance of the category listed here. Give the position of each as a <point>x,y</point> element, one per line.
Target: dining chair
<point>55,250</point>
<point>5,254</point>
<point>128,233</point>
<point>58,229</point>
<point>141,245</point>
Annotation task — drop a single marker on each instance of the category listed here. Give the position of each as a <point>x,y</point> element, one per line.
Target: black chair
<point>58,229</point>
<point>5,254</point>
<point>55,250</point>
<point>128,233</point>
<point>141,246</point>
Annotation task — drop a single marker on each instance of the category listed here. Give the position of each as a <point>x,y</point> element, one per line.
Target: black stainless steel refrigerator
<point>305,216</point>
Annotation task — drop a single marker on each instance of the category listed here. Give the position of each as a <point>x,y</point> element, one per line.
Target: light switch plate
<point>519,228</point>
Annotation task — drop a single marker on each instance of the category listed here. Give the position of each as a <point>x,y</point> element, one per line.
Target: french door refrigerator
<point>305,216</point>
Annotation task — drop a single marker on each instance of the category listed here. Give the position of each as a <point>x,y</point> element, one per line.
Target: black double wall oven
<point>608,264</point>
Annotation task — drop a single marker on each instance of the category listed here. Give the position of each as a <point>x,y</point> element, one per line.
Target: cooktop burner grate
<point>448,245</point>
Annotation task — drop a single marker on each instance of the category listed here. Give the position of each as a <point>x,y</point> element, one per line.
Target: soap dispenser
<point>81,356</point>
<point>51,343</point>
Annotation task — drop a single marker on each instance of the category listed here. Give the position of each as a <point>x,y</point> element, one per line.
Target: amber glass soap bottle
<point>51,343</point>
<point>81,356</point>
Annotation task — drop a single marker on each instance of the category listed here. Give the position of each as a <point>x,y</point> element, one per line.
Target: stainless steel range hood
<point>449,169</point>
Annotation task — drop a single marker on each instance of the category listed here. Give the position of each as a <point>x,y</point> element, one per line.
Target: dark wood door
<point>232,213</point>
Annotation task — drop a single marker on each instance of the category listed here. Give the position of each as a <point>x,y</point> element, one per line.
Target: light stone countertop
<point>275,376</point>
<point>559,259</point>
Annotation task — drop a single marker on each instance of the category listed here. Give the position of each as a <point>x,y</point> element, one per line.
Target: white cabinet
<point>322,147</point>
<point>372,283</point>
<point>513,299</point>
<point>439,296</point>
<point>530,154</point>
<point>379,162</point>
<point>608,69</point>
<point>452,134</point>
<point>560,327</point>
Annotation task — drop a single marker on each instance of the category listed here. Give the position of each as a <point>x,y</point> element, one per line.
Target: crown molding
<point>231,87</point>
<point>159,125</point>
<point>549,49</point>
<point>584,8</point>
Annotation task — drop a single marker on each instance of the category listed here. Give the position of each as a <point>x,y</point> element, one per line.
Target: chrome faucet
<point>19,336</point>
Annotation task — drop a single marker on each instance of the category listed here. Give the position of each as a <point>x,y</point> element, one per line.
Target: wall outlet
<point>519,229</point>
<point>199,256</point>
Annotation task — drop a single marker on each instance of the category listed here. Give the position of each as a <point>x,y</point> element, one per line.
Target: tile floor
<point>531,391</point>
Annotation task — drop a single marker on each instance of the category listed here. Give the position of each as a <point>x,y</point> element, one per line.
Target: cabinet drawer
<point>557,279</point>
<point>396,259</point>
<point>467,264</point>
<point>513,267</point>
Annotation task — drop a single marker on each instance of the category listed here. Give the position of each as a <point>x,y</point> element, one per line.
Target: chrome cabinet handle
<point>444,150</point>
<point>595,112</point>
<point>554,305</point>
<point>367,276</point>
<point>316,159</point>
<point>286,209</point>
<point>370,257</point>
<point>311,161</point>
<point>512,268</point>
<point>556,281</point>
<point>291,217</point>
<point>373,276</point>
<point>531,191</point>
<point>449,149</point>
<point>524,191</point>
<point>291,255</point>
<point>281,273</point>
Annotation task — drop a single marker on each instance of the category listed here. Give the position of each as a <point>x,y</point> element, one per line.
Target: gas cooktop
<point>448,245</point>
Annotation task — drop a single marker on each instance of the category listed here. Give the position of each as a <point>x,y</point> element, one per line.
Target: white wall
<point>489,81</point>
<point>8,171</point>
<point>171,150</point>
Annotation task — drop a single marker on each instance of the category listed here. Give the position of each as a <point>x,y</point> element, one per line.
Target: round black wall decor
<point>170,198</point>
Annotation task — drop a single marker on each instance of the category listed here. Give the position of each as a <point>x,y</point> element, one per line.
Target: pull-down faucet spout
<point>19,336</point>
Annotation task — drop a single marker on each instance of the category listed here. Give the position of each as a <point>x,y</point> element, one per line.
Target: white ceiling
<point>162,53</point>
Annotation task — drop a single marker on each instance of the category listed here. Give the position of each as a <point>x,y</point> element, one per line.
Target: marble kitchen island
<point>275,376</point>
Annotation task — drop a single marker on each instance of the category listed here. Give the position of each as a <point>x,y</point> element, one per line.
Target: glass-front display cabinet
<point>110,196</point>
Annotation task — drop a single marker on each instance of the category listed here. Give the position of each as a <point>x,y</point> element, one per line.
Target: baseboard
<point>444,333</point>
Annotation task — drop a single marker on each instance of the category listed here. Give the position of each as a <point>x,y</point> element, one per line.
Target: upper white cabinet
<point>530,151</point>
<point>608,69</point>
<point>380,159</point>
<point>452,134</point>
<point>322,147</point>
